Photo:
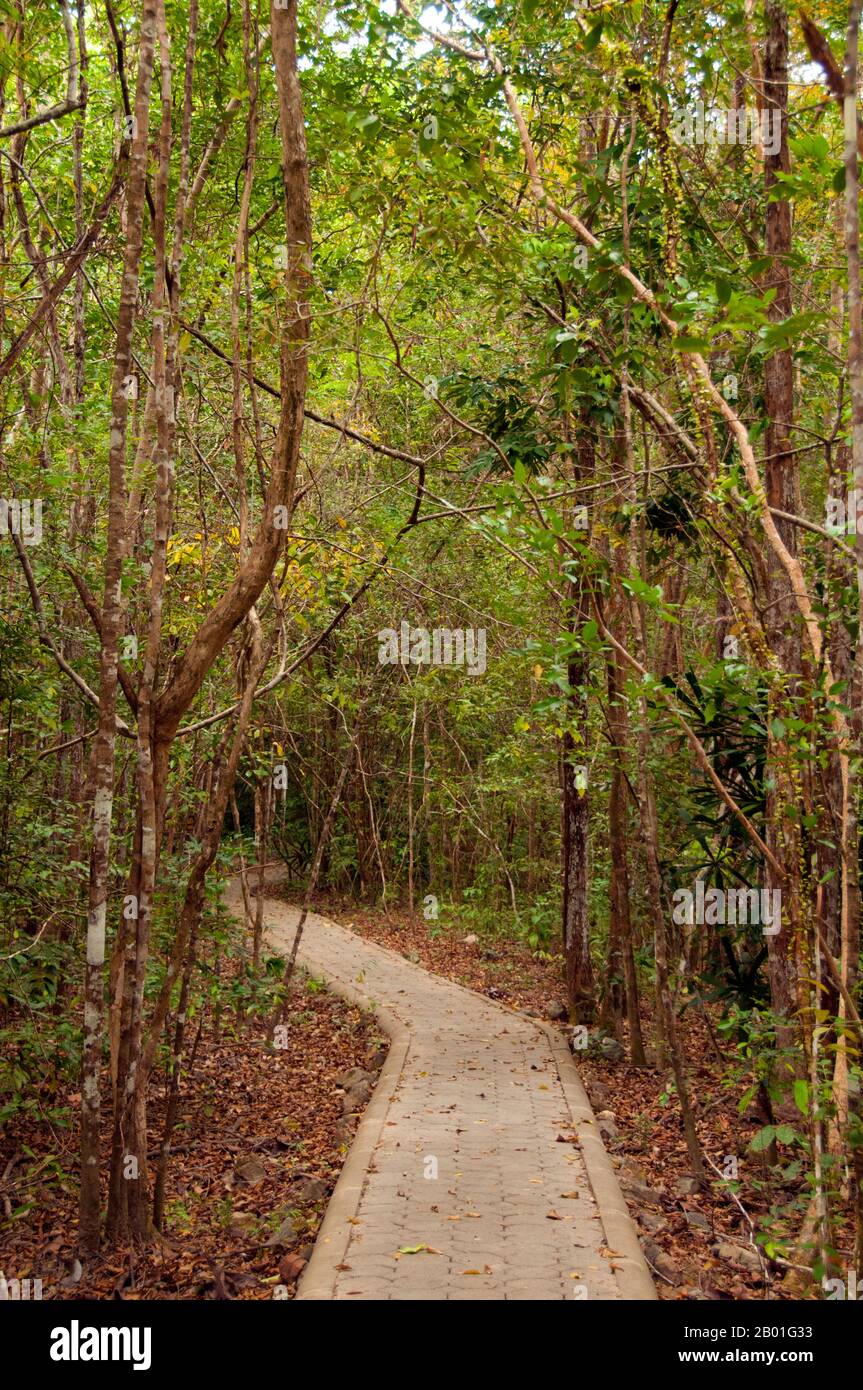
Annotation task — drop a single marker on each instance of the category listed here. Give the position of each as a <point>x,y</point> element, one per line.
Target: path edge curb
<point>633,1276</point>
<point>318,1280</point>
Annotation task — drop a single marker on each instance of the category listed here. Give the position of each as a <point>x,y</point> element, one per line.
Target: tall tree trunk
<point>851,913</point>
<point>781,489</point>
<point>621,923</point>
<point>102,759</point>
<point>128,1205</point>
<point>575,796</point>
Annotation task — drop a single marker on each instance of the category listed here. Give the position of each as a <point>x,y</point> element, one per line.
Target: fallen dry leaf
<point>291,1267</point>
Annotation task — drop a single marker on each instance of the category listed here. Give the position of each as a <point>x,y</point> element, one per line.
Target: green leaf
<point>763,1139</point>
<point>684,343</point>
<point>746,1099</point>
<point>801,1096</point>
<point>781,335</point>
<point>593,37</point>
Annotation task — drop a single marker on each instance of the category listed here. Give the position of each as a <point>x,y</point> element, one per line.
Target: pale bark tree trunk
<point>102,758</point>
<point>575,794</point>
<point>128,1194</point>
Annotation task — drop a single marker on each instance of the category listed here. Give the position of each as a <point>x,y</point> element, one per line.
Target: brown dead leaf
<point>291,1267</point>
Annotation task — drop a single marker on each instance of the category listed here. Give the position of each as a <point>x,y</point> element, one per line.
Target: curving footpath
<point>478,1145</point>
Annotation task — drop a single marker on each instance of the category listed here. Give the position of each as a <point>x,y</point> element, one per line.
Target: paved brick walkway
<point>460,1149</point>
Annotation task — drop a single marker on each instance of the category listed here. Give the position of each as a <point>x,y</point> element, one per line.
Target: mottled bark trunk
<point>575,830</point>
<point>575,795</point>
<point>102,762</point>
<point>621,921</point>
<point>781,487</point>
<point>851,914</point>
<point>128,1201</point>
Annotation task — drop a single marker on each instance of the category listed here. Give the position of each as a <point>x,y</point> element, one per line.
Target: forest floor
<point>258,1149</point>
<point>697,1243</point>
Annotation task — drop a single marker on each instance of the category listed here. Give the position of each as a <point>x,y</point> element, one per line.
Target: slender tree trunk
<point>410,808</point>
<point>782,492</point>
<point>664,997</point>
<point>128,1205</point>
<point>575,811</point>
<point>102,762</point>
<point>617,834</point>
<point>280,1013</point>
<point>851,914</point>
